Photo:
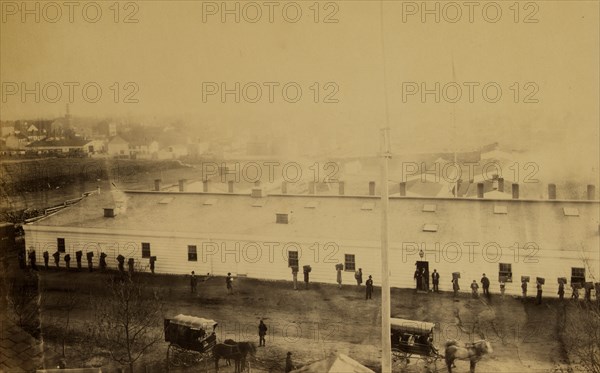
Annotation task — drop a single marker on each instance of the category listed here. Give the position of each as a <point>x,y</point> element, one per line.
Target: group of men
<point>421,278</point>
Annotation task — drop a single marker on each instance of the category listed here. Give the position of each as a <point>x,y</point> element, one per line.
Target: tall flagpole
<point>386,339</point>
<point>386,343</point>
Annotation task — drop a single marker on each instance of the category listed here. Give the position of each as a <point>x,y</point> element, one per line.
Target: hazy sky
<point>172,50</point>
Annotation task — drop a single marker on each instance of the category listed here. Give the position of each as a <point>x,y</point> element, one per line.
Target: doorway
<point>423,268</point>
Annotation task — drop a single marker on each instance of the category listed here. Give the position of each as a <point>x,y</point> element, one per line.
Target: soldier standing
<point>56,256</point>
<point>425,279</point>
<point>46,259</point>
<point>539,292</point>
<point>306,276</point>
<point>229,282</point>
<point>417,278</point>
<point>262,331</point>
<point>369,284</point>
<point>435,279</point>
<point>474,289</point>
<point>339,277</point>
<point>561,290</point>
<point>78,256</point>
<point>67,259</point>
<point>524,289</point>
<point>103,263</point>
<point>502,288</point>
<point>193,282</point>
<point>32,260</point>
<point>455,286</point>
<point>485,284</point>
<point>358,277</point>
<point>295,276</point>
<point>575,294</point>
<point>288,363</point>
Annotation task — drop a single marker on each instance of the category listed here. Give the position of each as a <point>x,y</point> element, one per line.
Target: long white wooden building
<point>261,236</point>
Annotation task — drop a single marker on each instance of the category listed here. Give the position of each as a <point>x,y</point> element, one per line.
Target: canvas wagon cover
<point>194,322</point>
<point>412,326</point>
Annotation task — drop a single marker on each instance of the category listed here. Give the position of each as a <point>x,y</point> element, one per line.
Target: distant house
<point>59,145</point>
<point>117,147</point>
<point>143,149</point>
<point>33,133</point>
<point>95,146</point>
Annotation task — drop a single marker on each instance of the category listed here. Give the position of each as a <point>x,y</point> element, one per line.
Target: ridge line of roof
<point>511,200</point>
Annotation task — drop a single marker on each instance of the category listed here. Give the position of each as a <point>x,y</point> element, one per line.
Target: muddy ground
<point>315,322</point>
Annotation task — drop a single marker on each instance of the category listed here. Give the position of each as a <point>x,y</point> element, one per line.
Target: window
<point>281,218</point>
<point>349,262</point>
<point>577,275</point>
<point>145,250</point>
<point>60,245</point>
<point>292,258</point>
<point>192,253</point>
<point>505,272</point>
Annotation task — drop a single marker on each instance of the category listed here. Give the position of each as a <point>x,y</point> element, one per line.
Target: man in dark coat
<point>306,277</point>
<point>46,259</point>
<point>22,260</point>
<point>229,282</point>
<point>56,256</point>
<point>193,282</point>
<point>78,255</point>
<point>524,289</point>
<point>455,286</point>
<point>417,278</point>
<point>369,284</point>
<point>485,284</point>
<point>67,259</point>
<point>561,290</point>
<point>288,363</point>
<point>32,260</point>
<point>435,279</point>
<point>539,293</point>
<point>425,278</point>
<point>262,331</point>
<point>358,277</point>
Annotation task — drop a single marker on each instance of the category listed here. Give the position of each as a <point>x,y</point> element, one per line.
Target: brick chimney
<point>205,186</point>
<point>480,190</point>
<point>341,188</point>
<point>230,186</point>
<point>403,189</point>
<point>515,191</point>
<point>284,187</point>
<point>591,192</point>
<point>157,185</point>
<point>182,185</point>
<point>551,191</point>
<point>371,188</point>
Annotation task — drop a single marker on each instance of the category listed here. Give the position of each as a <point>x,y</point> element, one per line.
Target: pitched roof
<point>117,140</point>
<point>342,218</point>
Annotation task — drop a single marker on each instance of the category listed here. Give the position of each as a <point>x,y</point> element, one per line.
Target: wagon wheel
<point>427,363</point>
<point>400,360</point>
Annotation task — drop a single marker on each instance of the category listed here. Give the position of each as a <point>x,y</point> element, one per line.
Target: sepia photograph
<point>300,186</point>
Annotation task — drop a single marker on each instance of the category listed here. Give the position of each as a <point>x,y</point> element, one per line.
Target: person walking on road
<point>193,282</point>
<point>435,280</point>
<point>369,284</point>
<point>262,331</point>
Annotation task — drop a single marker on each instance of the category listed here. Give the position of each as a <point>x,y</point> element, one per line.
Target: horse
<point>471,351</point>
<point>231,350</point>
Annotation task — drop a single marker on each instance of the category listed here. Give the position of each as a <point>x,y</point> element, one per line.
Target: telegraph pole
<point>386,343</point>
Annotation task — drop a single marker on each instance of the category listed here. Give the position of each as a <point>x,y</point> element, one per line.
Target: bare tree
<point>23,302</point>
<point>61,326</point>
<point>128,321</point>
